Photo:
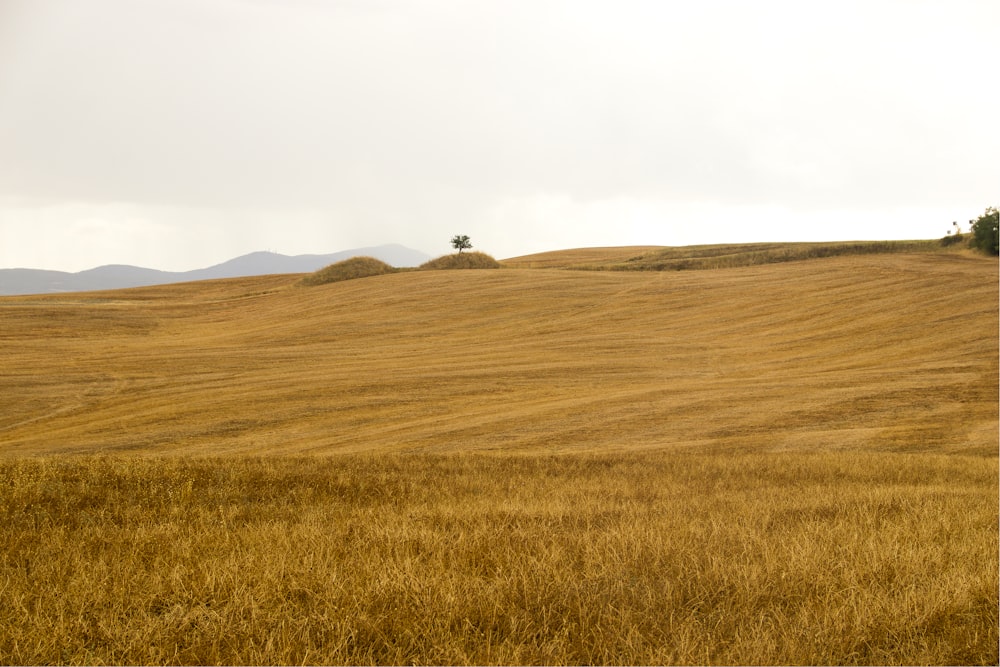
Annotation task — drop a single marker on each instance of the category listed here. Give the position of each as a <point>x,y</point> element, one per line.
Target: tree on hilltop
<point>460,243</point>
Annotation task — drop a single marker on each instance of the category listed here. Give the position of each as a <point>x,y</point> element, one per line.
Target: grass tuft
<point>349,269</point>
<point>465,260</point>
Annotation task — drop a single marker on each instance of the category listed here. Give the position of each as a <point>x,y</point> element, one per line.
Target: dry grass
<point>463,260</point>
<point>657,558</point>
<point>349,269</point>
<point>787,463</point>
<point>726,257</point>
<point>366,267</point>
<point>658,258</point>
<point>894,352</point>
<point>580,257</point>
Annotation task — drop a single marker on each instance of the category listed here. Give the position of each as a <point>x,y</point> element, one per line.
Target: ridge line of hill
<point>117,276</point>
<point>716,256</point>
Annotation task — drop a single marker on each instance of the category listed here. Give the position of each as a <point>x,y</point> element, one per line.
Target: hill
<point>784,463</point>
<point>34,281</point>
<point>667,258</point>
<point>580,257</point>
<point>349,269</point>
<point>883,351</point>
<point>467,260</point>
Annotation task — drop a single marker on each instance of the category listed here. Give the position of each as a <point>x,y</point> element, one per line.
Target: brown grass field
<point>781,463</point>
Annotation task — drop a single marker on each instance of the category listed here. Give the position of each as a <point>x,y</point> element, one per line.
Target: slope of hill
<point>668,258</point>
<point>886,352</point>
<point>33,281</point>
<point>580,257</point>
<point>349,269</point>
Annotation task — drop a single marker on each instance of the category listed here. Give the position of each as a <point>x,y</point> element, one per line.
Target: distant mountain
<point>117,276</point>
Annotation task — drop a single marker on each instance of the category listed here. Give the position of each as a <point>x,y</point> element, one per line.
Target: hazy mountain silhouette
<point>118,276</point>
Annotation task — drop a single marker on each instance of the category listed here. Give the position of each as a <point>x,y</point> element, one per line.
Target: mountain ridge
<point>19,281</point>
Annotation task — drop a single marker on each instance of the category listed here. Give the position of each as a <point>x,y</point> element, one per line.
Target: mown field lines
<point>869,349</point>
<point>793,463</point>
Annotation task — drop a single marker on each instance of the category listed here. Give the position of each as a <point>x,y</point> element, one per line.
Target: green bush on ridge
<point>986,231</point>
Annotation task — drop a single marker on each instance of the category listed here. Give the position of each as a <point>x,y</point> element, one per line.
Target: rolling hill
<point>116,276</point>
<point>861,351</point>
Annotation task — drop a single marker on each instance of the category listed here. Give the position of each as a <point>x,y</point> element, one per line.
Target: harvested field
<point>785,463</point>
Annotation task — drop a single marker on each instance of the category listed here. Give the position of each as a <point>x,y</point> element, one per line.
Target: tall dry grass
<point>349,269</point>
<point>463,260</point>
<point>667,558</point>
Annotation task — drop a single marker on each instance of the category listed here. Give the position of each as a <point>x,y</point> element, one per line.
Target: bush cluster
<point>986,231</point>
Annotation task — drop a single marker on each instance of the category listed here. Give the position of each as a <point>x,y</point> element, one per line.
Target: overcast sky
<point>176,134</point>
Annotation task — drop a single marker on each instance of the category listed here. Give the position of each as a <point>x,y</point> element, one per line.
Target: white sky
<point>176,134</point>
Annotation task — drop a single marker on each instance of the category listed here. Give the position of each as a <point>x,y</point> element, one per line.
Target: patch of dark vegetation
<point>755,254</point>
<point>986,232</point>
<point>465,260</point>
<point>349,269</point>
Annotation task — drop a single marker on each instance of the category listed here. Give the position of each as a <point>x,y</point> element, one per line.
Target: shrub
<point>467,260</point>
<point>986,231</point>
<point>349,269</point>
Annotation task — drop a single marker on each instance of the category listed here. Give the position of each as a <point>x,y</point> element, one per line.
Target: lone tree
<point>986,231</point>
<point>461,243</point>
